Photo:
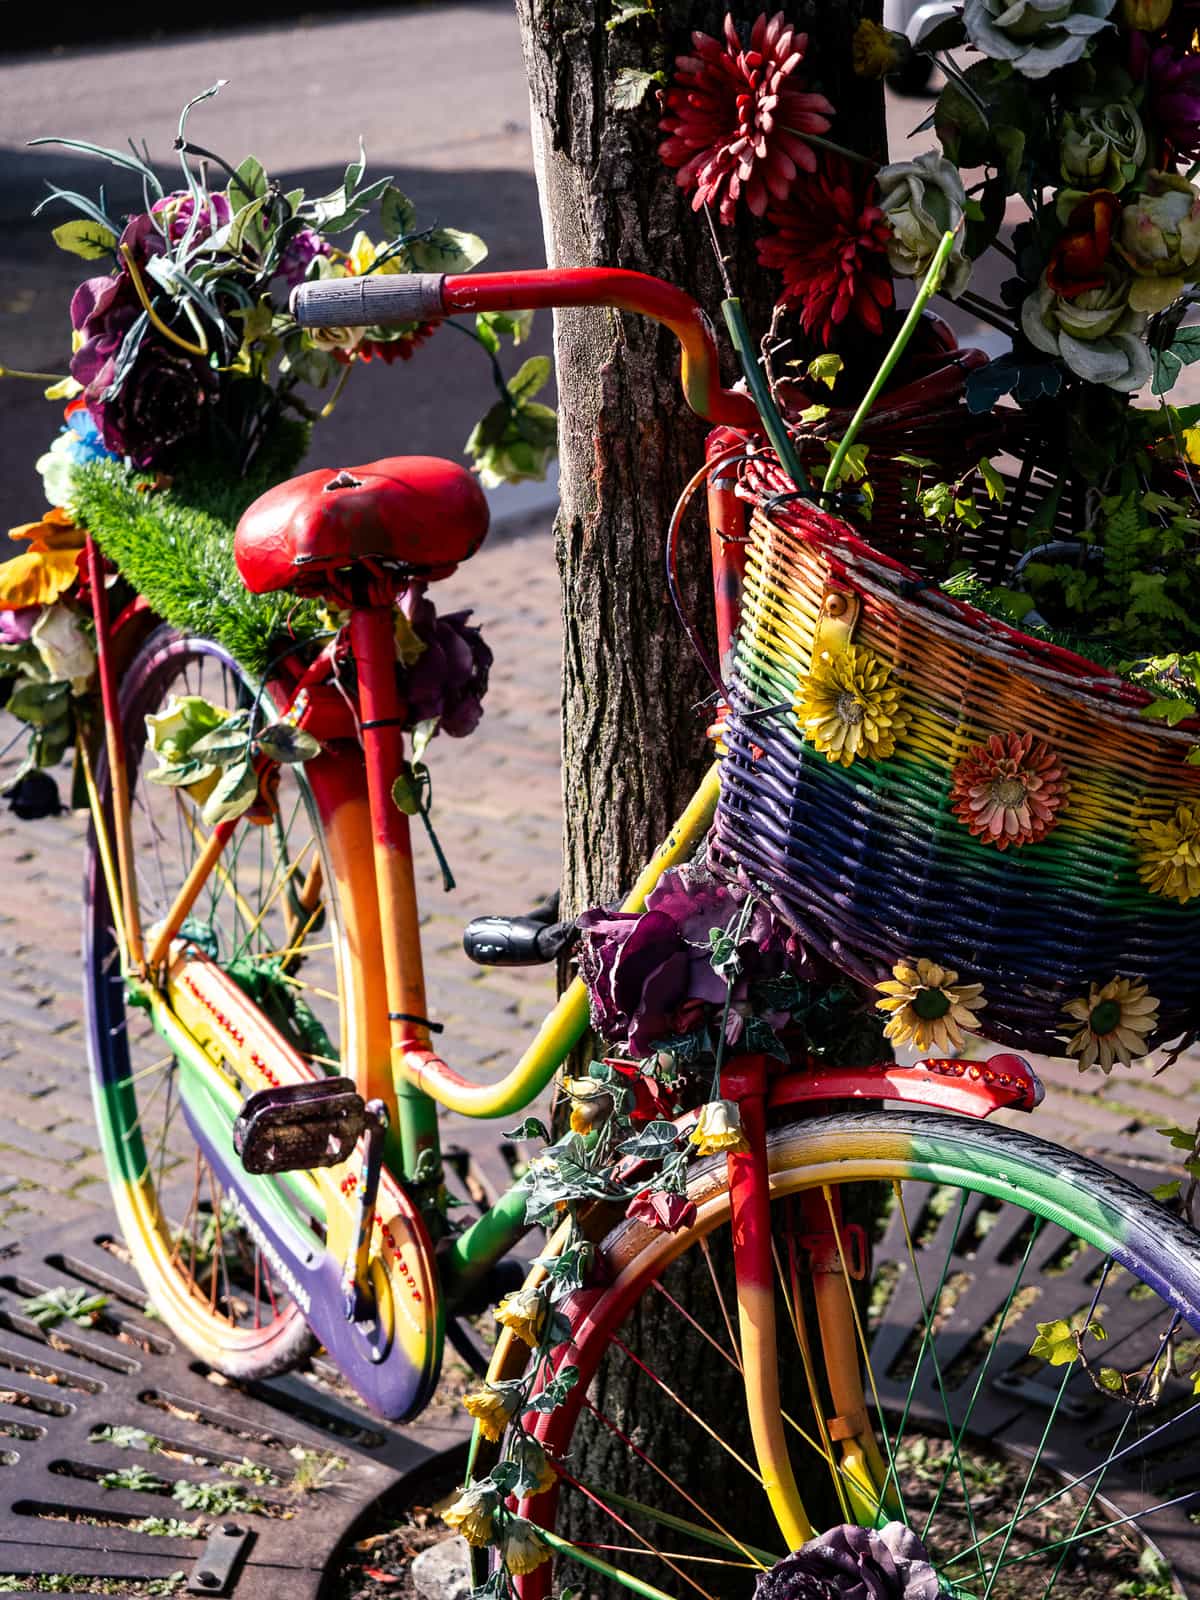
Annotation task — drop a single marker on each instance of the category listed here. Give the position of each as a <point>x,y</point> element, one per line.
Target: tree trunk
<point>633,722</point>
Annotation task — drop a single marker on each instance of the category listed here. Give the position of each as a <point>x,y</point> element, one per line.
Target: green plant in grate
<point>53,1306</point>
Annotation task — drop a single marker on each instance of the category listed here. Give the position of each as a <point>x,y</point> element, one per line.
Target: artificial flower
<point>449,677</point>
<point>831,245</point>
<point>876,52</point>
<point>1172,84</point>
<point>174,214</point>
<point>55,531</point>
<point>923,199</point>
<point>171,734</point>
<point>852,1563</point>
<point>665,1213</point>
<point>1036,36</point>
<point>522,1547</point>
<point>493,1408</point>
<point>78,444</point>
<point>1148,15</point>
<point>523,1313</point>
<point>1080,254</point>
<point>304,247</point>
<point>1117,1022</point>
<point>736,126</point>
<point>719,1129</point>
<point>16,626</point>
<point>851,707</point>
<point>591,1103</point>
<point>928,1007</point>
<point>1169,853</point>
<point>1009,790</point>
<point>537,1475</point>
<point>159,405</point>
<point>34,795</point>
<point>37,578</point>
<point>472,1514</point>
<point>1096,333</point>
<point>66,651</point>
<point>1100,143</point>
<point>335,340</point>
<point>1160,239</point>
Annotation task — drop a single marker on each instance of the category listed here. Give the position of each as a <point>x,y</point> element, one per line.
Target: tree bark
<point>633,718</point>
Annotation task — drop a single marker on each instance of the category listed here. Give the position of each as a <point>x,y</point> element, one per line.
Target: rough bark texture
<point>633,742</point>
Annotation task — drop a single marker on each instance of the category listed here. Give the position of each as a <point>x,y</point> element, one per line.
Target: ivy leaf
<point>1057,1341</point>
<point>1169,363</point>
<point>631,86</point>
<point>993,482</point>
<point>1166,1191</point>
<point>1169,711</point>
<point>397,214</point>
<point>651,1143</point>
<point>556,1391</point>
<point>447,250</point>
<point>235,793</point>
<point>568,1270</point>
<point>723,955</point>
<point>531,1128</point>
<point>288,745</point>
<point>82,238</point>
<point>1110,1379</point>
<point>825,368</point>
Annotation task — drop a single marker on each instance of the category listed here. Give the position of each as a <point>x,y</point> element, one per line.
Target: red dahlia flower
<point>831,246</point>
<point>735,128</point>
<point>1077,259</point>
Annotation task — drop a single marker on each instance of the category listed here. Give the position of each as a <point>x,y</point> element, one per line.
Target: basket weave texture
<point>870,863</point>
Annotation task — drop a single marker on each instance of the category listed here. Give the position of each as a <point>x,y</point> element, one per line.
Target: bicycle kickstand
<point>358,1300</point>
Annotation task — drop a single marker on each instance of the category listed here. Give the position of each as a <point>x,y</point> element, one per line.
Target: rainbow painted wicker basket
<point>914,785</point>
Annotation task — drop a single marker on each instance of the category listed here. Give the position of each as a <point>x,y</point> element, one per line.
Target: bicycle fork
<point>831,1254</point>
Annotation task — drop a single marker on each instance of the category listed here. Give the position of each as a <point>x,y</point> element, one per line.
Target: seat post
<point>372,641</point>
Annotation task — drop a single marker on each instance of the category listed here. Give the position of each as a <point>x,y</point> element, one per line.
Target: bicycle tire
<point>1079,1230</point>
<point>223,1302</point>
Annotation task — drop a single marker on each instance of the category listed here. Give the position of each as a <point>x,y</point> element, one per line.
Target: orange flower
<point>1009,791</point>
<point>37,578</point>
<point>1077,260</point>
<point>56,531</point>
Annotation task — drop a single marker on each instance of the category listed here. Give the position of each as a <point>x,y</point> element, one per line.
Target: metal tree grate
<point>64,1389</point>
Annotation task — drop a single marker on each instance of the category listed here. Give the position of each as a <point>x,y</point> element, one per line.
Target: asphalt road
<point>437,94</point>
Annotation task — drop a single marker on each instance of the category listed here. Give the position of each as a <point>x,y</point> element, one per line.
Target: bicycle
<point>910,1331</point>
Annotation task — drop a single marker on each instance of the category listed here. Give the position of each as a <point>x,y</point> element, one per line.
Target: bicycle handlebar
<point>383,298</point>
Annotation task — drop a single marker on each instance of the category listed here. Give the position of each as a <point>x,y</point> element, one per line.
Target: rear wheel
<point>1024,1478</point>
<point>268,916</point>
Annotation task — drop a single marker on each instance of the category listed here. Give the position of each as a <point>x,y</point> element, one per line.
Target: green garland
<point>175,545</point>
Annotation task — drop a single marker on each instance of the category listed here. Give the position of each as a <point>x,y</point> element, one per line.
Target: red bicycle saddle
<point>422,513</point>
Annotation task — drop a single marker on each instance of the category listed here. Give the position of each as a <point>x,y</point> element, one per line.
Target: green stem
<point>838,149</point>
<point>772,421</point>
<point>34,377</point>
<point>924,295</point>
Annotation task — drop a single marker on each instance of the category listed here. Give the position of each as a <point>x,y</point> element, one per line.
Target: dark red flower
<point>1077,260</point>
<point>665,1213</point>
<point>1172,105</point>
<point>735,128</point>
<point>388,350</point>
<point>830,244</point>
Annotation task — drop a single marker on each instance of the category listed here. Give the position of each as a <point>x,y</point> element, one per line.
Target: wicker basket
<point>872,863</point>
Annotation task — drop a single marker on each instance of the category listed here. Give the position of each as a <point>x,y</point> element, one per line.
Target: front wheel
<point>1028,1330</point>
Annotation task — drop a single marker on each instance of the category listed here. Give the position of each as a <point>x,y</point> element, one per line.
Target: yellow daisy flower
<point>524,1312</point>
<point>472,1513</point>
<point>523,1548</point>
<point>1170,855</point>
<point>930,1009</point>
<point>719,1128</point>
<point>850,707</point>
<point>1117,1023</point>
<point>492,1409</point>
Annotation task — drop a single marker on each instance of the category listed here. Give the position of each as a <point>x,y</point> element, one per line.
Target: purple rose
<point>299,253</point>
<point>849,1563</point>
<point>161,402</point>
<point>1172,92</point>
<point>16,626</point>
<point>176,210</point>
<point>449,679</point>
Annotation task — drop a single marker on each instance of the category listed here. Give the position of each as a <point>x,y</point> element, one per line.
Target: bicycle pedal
<point>299,1126</point>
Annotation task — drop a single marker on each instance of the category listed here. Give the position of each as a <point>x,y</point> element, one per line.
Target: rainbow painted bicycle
<point>872,1275</point>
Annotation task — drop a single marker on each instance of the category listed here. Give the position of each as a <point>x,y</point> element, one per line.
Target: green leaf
<point>87,239</point>
<point>1169,363</point>
<point>1166,1191</point>
<point>245,222</point>
<point>1057,1341</point>
<point>491,326</point>
<point>53,1306</point>
<point>397,214</point>
<point>652,1142</point>
<point>447,250</point>
<point>406,792</point>
<point>993,482</point>
<point>250,184</point>
<point>629,11</point>
<point>531,376</point>
<point>40,704</point>
<point>811,415</point>
<point>1169,711</point>
<point>531,1128</point>
<point>1110,1379</point>
<point>825,368</point>
<point>180,774</point>
<point>422,734</point>
<point>235,793</point>
<point>556,1391</point>
<point>288,745</point>
<point>631,86</point>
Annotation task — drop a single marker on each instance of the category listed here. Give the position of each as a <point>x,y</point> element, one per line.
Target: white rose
<point>66,651</point>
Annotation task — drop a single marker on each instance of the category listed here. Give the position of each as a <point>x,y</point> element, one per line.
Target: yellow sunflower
<point>930,1009</point>
<point>1170,855</point>
<point>1117,1022</point>
<point>850,706</point>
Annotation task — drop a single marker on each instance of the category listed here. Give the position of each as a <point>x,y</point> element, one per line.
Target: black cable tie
<point>384,722</point>
<point>424,1022</point>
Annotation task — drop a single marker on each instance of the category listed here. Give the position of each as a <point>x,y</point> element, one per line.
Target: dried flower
<point>923,199</point>
<point>665,1213</point>
<point>1099,144</point>
<point>734,125</point>
<point>522,1547</point>
<point>1170,855</point>
<point>1160,239</point>
<point>1037,36</point>
<point>1117,1023</point>
<point>1096,333</point>
<point>929,1008</point>
<point>523,1313</point>
<point>851,1563</point>
<point>831,245</point>
<point>492,1408</point>
<point>851,707</point>
<point>719,1128</point>
<point>1009,791</point>
<point>877,51</point>
<point>472,1514</point>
